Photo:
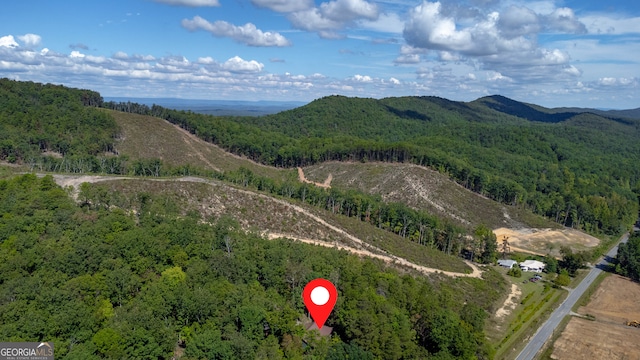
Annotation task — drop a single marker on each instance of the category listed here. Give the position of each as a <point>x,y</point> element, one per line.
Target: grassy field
<point>534,304</point>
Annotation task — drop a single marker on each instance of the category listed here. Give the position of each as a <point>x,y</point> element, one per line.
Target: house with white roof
<point>507,263</point>
<point>532,265</point>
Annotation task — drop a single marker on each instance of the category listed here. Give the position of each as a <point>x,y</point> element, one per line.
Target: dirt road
<point>365,248</point>
<point>326,184</point>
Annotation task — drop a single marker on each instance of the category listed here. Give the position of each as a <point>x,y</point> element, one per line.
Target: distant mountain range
<point>257,108</point>
<point>216,107</point>
<point>538,113</point>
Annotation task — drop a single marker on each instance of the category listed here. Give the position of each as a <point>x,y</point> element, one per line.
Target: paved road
<point>546,330</point>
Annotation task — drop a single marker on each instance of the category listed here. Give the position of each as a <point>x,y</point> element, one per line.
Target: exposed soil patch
<point>545,241</point>
<point>584,339</point>
<point>616,300</point>
<point>613,304</point>
<point>510,303</point>
<point>326,184</point>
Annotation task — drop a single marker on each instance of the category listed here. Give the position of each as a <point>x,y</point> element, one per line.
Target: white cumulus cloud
<point>409,55</point>
<point>30,40</point>
<point>503,40</point>
<point>518,21</point>
<point>428,28</point>
<point>76,54</point>
<point>333,16</point>
<point>246,34</point>
<point>348,10</point>
<point>564,20</point>
<point>238,65</point>
<point>362,78</point>
<point>8,41</point>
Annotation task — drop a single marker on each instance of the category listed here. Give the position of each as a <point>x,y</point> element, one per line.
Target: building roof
<point>535,264</point>
<point>324,331</point>
<point>507,262</point>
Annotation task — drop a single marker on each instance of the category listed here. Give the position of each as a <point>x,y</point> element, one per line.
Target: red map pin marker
<point>320,297</point>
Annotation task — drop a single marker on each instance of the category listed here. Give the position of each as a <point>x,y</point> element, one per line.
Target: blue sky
<point>553,53</point>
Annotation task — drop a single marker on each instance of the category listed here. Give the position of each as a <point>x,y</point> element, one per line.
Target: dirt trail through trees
<point>194,139</point>
<point>189,139</point>
<point>510,302</point>
<point>374,252</point>
<point>390,259</point>
<point>326,184</point>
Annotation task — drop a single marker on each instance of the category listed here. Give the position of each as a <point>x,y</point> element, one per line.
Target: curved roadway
<point>546,330</point>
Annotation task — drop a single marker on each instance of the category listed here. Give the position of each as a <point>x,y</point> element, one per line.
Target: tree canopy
<point>113,283</point>
<point>629,257</point>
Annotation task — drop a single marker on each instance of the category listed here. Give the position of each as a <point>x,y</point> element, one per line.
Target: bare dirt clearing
<point>326,184</point>
<point>616,300</point>
<point>545,241</point>
<point>510,302</point>
<point>584,339</point>
<point>613,304</point>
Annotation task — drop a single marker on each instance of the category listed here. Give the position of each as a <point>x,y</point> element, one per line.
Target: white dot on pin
<point>320,295</point>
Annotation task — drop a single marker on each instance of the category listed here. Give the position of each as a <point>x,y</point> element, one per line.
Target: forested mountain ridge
<point>580,171</point>
<point>36,118</point>
<point>538,113</point>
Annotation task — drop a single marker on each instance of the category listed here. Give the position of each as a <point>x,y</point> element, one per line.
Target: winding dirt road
<point>365,250</point>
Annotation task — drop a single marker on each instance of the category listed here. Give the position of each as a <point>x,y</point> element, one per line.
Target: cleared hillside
<point>423,188</point>
<point>148,137</point>
<point>558,164</point>
<point>418,187</point>
<point>261,214</point>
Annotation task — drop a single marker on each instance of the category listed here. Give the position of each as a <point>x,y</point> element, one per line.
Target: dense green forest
<point>628,258</point>
<point>118,283</point>
<point>579,169</point>
<point>35,118</point>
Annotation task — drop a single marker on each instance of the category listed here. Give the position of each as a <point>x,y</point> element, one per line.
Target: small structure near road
<point>507,263</point>
<point>532,265</point>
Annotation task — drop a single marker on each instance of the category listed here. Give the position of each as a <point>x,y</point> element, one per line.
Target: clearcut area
<point>607,336</point>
